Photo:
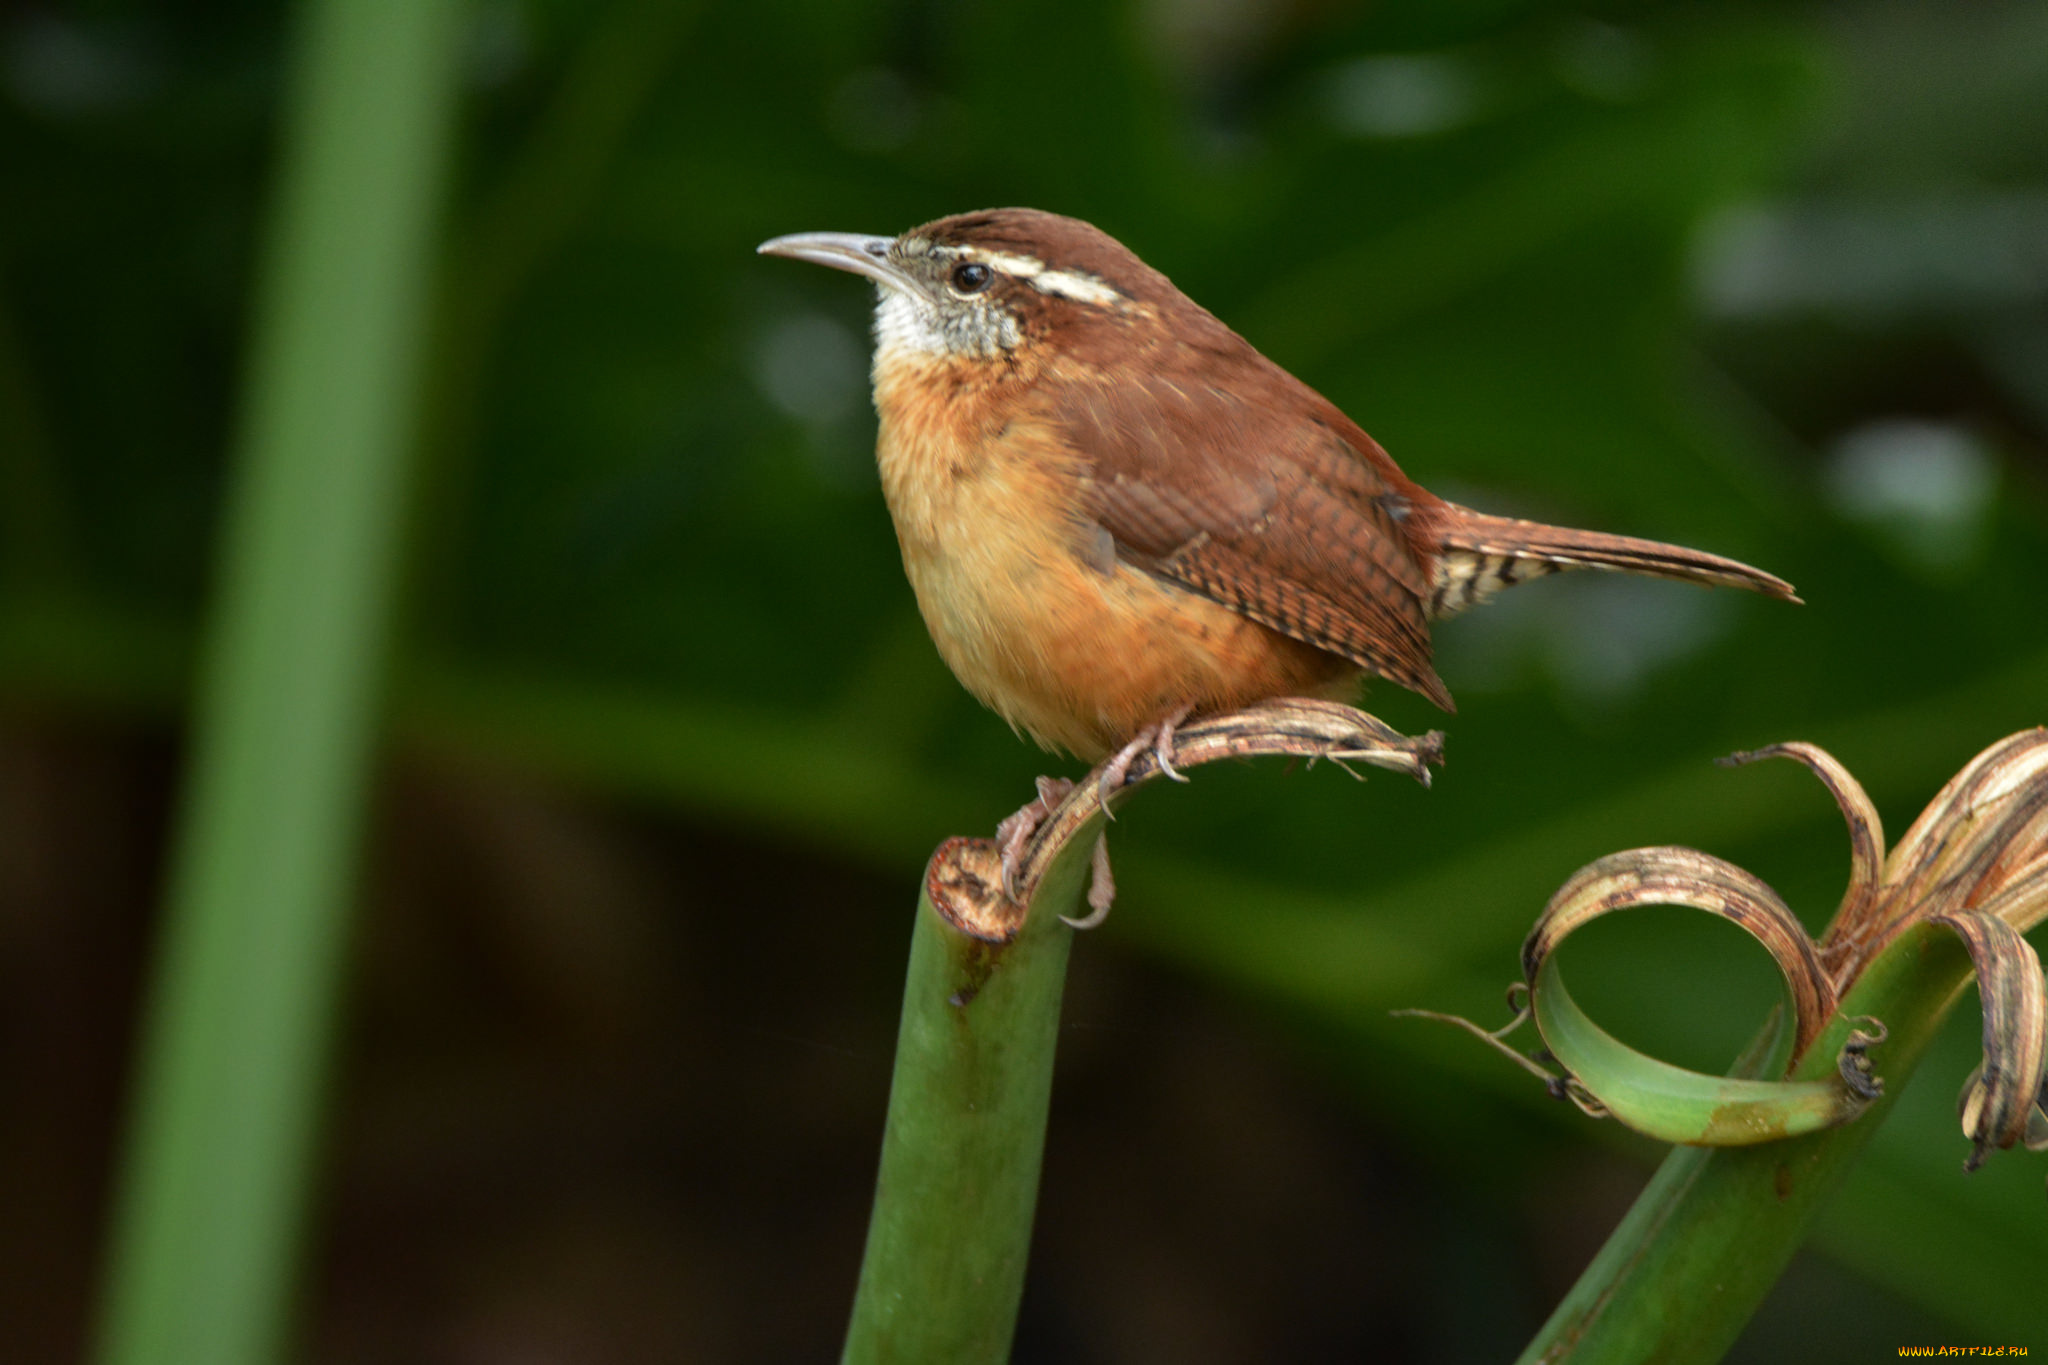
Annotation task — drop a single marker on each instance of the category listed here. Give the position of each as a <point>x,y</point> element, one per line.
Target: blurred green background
<point>668,745</point>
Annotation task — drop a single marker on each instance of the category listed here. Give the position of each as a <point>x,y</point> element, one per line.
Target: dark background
<point>668,743</point>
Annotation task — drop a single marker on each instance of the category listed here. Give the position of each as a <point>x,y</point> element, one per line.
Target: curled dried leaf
<point>1652,1096</point>
<point>1852,923</point>
<point>1986,828</point>
<point>1684,876</point>
<point>2002,1095</point>
<point>1975,862</point>
<point>2023,901</point>
<point>1297,726</point>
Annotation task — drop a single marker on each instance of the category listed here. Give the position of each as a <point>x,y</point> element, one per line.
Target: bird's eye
<point>971,277</point>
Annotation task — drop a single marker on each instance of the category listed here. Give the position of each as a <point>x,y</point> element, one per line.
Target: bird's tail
<point>1480,554</point>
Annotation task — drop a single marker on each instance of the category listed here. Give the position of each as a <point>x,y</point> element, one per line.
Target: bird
<point>1116,513</point>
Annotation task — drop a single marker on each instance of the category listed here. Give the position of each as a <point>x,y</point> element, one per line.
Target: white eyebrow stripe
<point>1072,284</point>
<point>1068,284</point>
<point>1023,267</point>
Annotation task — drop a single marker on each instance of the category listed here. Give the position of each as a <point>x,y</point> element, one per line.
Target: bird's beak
<point>867,256</point>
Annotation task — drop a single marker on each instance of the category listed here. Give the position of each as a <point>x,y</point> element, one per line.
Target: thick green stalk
<point>1688,1266</point>
<point>215,1187</point>
<point>951,1230</point>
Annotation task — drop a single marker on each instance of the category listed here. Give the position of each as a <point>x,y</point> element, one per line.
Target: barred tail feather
<point>1479,555</point>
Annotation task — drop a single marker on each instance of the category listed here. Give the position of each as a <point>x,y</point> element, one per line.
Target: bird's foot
<point>1017,828</point>
<point>1157,737</point>
<point>1101,889</point>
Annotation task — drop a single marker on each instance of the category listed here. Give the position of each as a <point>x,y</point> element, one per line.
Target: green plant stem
<point>1688,1266</point>
<point>215,1186</point>
<point>944,1268</point>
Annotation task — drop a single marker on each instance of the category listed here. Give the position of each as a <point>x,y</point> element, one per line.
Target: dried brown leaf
<point>1297,726</point>
<point>1684,876</point>
<point>1853,923</point>
<point>2001,1097</point>
<point>1984,826</point>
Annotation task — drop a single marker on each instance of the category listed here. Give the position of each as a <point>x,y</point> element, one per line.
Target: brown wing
<point>1262,502</point>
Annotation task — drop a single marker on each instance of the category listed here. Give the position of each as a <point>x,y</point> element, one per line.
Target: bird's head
<point>979,285</point>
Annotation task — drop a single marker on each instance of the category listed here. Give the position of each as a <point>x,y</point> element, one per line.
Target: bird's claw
<point>1101,890</point>
<point>1157,737</point>
<point>1162,747</point>
<point>1015,832</point>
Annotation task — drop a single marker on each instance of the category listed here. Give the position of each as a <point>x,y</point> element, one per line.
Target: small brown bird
<point>1116,513</point>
